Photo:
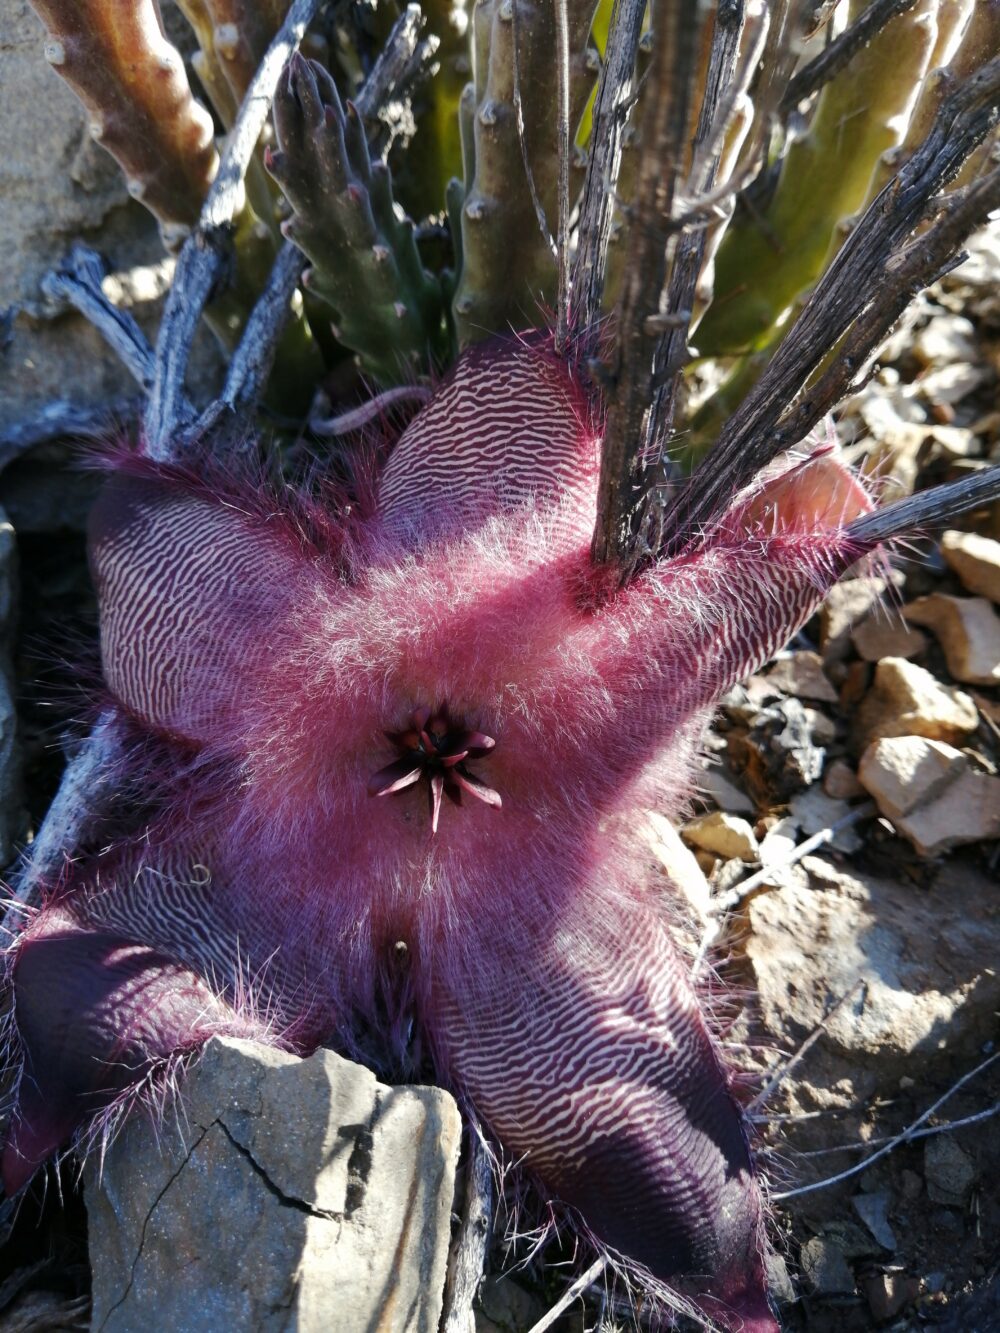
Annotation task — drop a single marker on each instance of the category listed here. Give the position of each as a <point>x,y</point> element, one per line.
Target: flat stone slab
<point>284,1194</point>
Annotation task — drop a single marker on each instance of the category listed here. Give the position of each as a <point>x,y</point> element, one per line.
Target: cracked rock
<point>291,1194</point>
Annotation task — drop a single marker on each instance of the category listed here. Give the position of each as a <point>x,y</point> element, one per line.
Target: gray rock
<point>801,675</point>
<point>296,1194</point>
<point>815,812</point>
<point>505,1306</point>
<point>825,1269</point>
<point>949,1171</point>
<point>778,1280</point>
<point>873,1209</point>
<point>780,751</point>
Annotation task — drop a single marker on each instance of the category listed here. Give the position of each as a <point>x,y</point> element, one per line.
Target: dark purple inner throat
<point>434,749</point>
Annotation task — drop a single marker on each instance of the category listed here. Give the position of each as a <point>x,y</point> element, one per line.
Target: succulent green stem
<point>509,273</point>
<point>766,261</point>
<point>365,264</point>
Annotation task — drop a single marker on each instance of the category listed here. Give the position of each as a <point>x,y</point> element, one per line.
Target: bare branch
<point>62,419</point>
<point>78,281</point>
<point>252,361</point>
<point>664,126</point>
<point>404,62</point>
<point>468,1256</point>
<point>246,377</point>
<point>570,1295</point>
<point>893,1143</point>
<point>611,110</point>
<point>929,509</point>
<point>201,261</point>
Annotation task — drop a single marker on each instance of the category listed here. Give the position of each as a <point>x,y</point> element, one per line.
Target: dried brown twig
<point>664,126</point>
<point>612,104</point>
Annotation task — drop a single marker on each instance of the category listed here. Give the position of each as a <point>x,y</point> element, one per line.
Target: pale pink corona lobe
<point>288,667</point>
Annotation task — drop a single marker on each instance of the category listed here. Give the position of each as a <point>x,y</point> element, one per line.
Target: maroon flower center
<point>435,748</point>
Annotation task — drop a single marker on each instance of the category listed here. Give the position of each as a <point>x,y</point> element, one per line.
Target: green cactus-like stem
<point>764,263</point>
<point>434,154</point>
<point>509,272</point>
<point>233,36</point>
<point>365,263</point>
<point>205,61</point>
<point>970,37</point>
<point>132,81</point>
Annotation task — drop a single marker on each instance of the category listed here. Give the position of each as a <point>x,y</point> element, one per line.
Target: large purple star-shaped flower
<point>263,652</point>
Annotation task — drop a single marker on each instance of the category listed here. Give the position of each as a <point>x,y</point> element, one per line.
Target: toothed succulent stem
<point>364,258</point>
<point>117,60</point>
<point>509,275</point>
<point>765,262</point>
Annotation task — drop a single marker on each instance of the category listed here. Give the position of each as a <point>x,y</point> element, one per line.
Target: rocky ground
<point>864,973</point>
